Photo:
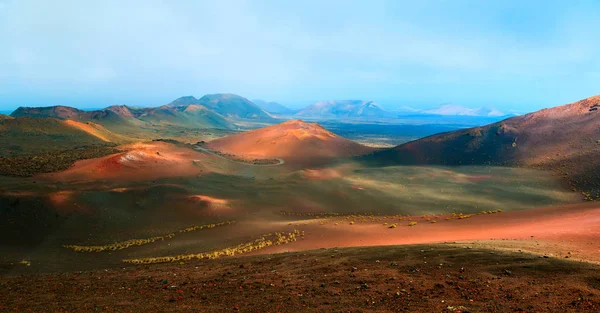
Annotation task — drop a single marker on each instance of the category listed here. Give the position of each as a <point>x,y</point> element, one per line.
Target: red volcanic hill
<point>294,139</point>
<point>565,139</point>
<point>139,161</point>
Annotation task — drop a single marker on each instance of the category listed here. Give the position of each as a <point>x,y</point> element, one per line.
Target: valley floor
<point>410,278</point>
<point>335,238</point>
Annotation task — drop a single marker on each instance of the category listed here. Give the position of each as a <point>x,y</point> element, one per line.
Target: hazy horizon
<point>511,55</point>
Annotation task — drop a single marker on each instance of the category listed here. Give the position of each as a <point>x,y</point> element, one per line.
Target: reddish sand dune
<point>292,140</point>
<point>139,161</point>
<point>571,230</point>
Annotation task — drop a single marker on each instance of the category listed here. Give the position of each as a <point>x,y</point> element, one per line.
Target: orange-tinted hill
<point>565,139</point>
<point>138,161</point>
<point>292,140</point>
<point>97,131</point>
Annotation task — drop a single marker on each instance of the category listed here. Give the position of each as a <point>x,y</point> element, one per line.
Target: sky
<point>517,56</point>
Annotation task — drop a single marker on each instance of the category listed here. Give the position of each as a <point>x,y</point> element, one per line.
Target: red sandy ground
<point>463,277</point>
<point>567,231</point>
<point>139,161</point>
<point>290,140</point>
<point>438,278</point>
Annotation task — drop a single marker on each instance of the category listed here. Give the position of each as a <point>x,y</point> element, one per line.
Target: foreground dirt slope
<point>569,231</point>
<point>563,139</point>
<point>293,139</point>
<point>438,278</point>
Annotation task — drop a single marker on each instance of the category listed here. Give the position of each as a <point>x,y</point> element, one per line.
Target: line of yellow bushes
<point>264,241</point>
<point>138,242</point>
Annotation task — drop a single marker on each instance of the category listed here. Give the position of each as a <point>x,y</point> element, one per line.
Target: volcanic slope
<point>139,161</point>
<point>191,116</point>
<point>564,139</point>
<point>292,140</point>
<point>23,136</point>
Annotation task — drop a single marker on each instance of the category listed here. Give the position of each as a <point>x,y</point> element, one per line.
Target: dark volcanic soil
<point>433,278</point>
<point>26,166</point>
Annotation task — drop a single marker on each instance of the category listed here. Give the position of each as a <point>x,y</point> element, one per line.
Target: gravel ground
<point>415,278</point>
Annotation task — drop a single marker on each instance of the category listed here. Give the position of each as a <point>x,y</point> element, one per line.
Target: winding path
<point>202,149</point>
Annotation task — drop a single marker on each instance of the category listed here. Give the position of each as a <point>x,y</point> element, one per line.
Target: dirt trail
<point>211,152</point>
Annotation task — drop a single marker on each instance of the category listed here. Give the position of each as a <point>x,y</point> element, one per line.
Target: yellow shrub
<point>138,242</point>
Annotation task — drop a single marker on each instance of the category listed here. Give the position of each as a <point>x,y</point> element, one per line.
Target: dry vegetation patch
<point>262,242</point>
<point>26,166</point>
<point>138,242</point>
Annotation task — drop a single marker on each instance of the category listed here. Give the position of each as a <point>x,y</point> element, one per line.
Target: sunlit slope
<point>97,131</point>
<point>191,116</point>
<point>563,139</point>
<point>294,139</point>
<point>22,136</point>
<point>234,106</point>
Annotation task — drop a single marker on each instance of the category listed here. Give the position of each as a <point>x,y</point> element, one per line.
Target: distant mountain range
<point>234,106</point>
<point>345,109</point>
<point>224,110</point>
<point>122,117</point>
<point>273,107</point>
<point>226,104</point>
<point>453,109</point>
<point>210,111</point>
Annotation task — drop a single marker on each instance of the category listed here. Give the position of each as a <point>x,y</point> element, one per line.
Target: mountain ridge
<point>233,106</point>
<point>273,107</point>
<point>346,109</point>
<point>564,139</point>
<point>454,109</point>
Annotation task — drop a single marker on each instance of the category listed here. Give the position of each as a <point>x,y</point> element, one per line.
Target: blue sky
<point>513,55</point>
